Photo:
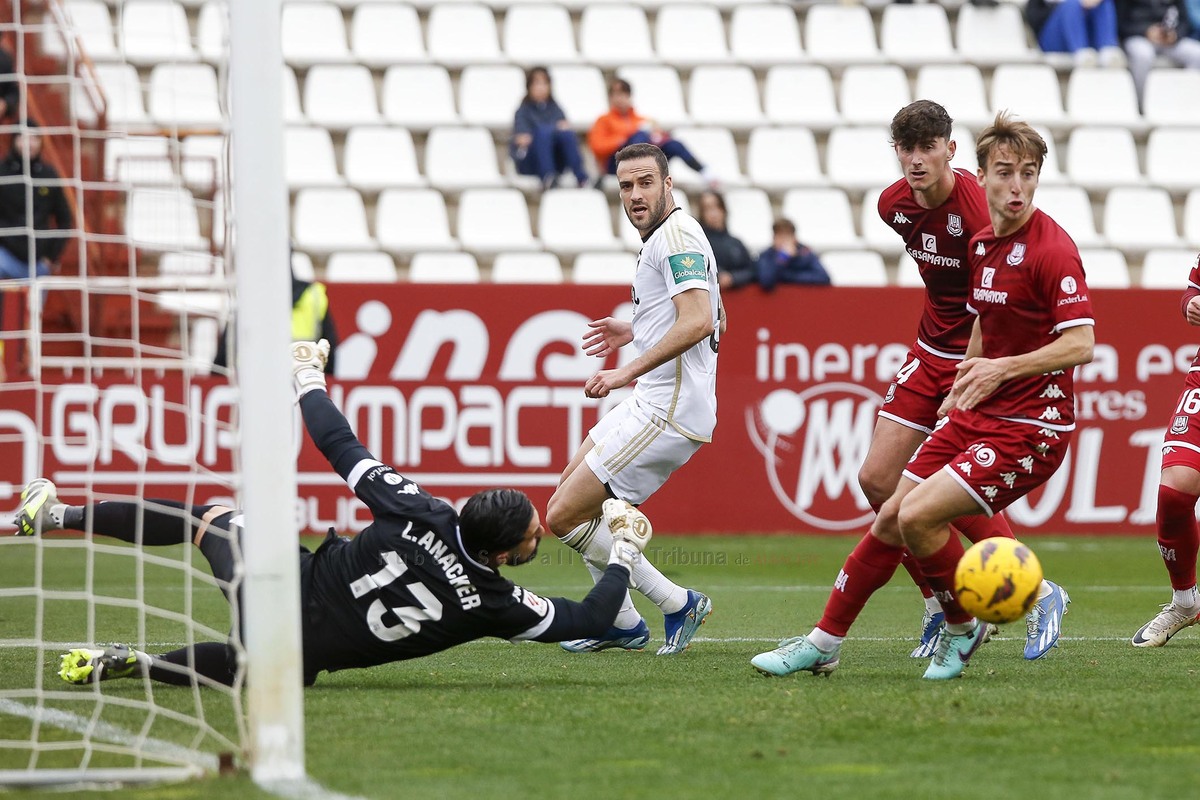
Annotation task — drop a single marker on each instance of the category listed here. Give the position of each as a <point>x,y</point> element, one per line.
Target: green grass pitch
<point>1097,718</point>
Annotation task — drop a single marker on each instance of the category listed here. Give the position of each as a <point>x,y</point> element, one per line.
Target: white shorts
<point>636,451</point>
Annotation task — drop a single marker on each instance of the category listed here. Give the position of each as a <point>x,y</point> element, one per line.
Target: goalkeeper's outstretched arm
<point>326,425</point>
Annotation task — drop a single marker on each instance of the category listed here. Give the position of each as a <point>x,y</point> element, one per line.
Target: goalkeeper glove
<point>308,366</point>
<point>630,529</point>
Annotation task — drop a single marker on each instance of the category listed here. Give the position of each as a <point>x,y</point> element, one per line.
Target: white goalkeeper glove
<point>308,366</point>
<point>630,530</point>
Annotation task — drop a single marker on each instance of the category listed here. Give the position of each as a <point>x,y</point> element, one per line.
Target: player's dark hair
<point>922,121</point>
<point>644,150</point>
<point>494,521</point>
<point>532,73</point>
<point>1016,136</point>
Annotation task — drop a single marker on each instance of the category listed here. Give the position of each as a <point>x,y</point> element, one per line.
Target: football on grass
<point>997,580</point>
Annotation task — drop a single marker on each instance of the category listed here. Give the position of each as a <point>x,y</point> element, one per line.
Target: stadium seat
<point>313,33</point>
<point>360,268</point>
<point>1170,97</point>
<point>1071,209</point>
<point>91,23</point>
<point>184,95</point>
<point>1031,88</point>
<point>302,266</point>
<point>138,161</point>
<point>200,161</point>
<point>1191,218</point>
<point>763,35</point>
<point>908,273</point>
<point>715,148</point>
<point>1167,269</point>
<point>1140,219</point>
<point>292,113</point>
<point>340,96</point>
<point>386,34</point>
<point>1101,158</point>
<point>657,94</point>
<point>690,34</point>
<point>726,96</point>
<point>572,221</point>
<point>581,92</point>
<point>615,35</point>
<point>871,95</point>
<point>527,268</point>
<point>163,219</point>
<point>964,150</point>
<point>488,95</point>
<point>861,158</point>
<point>839,34</point>
<point>186,265</point>
<point>494,220</point>
<point>325,220</point>
<point>780,158</point>
<point>855,268</point>
<point>916,34</point>
<point>443,268</point>
<point>992,36</point>
<point>309,158</point>
<point>822,218</point>
<point>124,107</point>
<point>801,95</point>
<point>614,269</point>
<point>959,88</point>
<point>155,31</point>
<point>750,217</point>
<point>212,31</point>
<point>1105,269</point>
<point>877,235</point>
<point>461,158</point>
<point>1051,174</point>
<point>419,97</point>
<point>413,220</point>
<point>463,33</point>
<point>1173,158</point>
<point>379,158</point>
<point>539,33</point>
<point>1097,96</point>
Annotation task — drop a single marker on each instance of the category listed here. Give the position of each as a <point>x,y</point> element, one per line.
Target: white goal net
<point>116,386</point>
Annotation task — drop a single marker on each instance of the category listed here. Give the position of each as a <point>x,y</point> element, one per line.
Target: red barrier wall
<point>467,387</point>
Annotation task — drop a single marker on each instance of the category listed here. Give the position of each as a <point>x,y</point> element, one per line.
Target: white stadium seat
<point>163,219</point>
<point>1173,158</point>
<point>1191,218</point>
<point>854,268</point>
<point>385,34</point>
<point>413,220</point>
<point>91,23</point>
<point>527,268</point>
<point>1031,89</point>
<point>325,220</point>
<point>488,95</point>
<point>861,158</point>
<point>605,268</point>
<point>419,97</point>
<point>302,266</point>
<point>839,34</point>
<point>801,95</point>
<point>572,221</point>
<point>959,88</point>
<point>750,217</point>
<point>1071,209</point>
<point>380,158</point>
<point>762,35</point>
<point>360,268</point>
<point>463,33</point>
<point>780,158</point>
<point>1167,269</point>
<point>991,36</point>
<point>461,158</point>
<point>292,113</point>
<point>539,33</point>
<point>726,96</point>
<point>184,95</point>
<point>340,96</point>
<point>138,161</point>
<point>916,34</point>
<point>1051,175</point>
<point>908,273</point>
<point>657,94</point>
<point>200,160</point>
<point>871,95</point>
<point>313,33</point>
<point>155,31</point>
<point>713,147</point>
<point>309,158</point>
<point>614,35</point>
<point>1097,96</point>
<point>1170,97</point>
<point>822,218</point>
<point>1105,269</point>
<point>212,31</point>
<point>1101,158</point>
<point>581,92</point>
<point>193,264</point>
<point>494,220</point>
<point>876,233</point>
<point>1140,219</point>
<point>443,268</point>
<point>124,107</point>
<point>964,150</point>
<point>687,35</point>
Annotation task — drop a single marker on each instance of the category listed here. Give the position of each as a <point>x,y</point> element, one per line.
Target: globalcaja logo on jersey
<point>687,267</point>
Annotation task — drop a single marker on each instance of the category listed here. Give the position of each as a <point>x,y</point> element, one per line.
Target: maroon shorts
<point>1181,448</point>
<point>918,389</point>
<point>996,461</point>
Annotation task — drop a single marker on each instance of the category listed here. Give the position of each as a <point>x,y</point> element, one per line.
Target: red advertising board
<point>468,387</point>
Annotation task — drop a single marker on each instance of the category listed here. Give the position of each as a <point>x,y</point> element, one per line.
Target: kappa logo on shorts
<point>964,467</point>
<point>1026,463</point>
<point>1180,424</point>
<point>983,455</point>
<point>1009,478</point>
<point>990,492</point>
<point>954,225</point>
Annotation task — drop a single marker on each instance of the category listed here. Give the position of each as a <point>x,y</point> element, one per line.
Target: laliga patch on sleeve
<point>539,605</point>
<point>688,267</point>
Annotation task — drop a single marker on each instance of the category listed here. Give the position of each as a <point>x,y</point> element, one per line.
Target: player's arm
<point>974,350</point>
<point>693,324</point>
<point>979,377</point>
<point>1191,303</point>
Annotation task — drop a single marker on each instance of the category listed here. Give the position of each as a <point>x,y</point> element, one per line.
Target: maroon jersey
<point>937,240</point>
<point>1192,290</point>
<point>1027,288</point>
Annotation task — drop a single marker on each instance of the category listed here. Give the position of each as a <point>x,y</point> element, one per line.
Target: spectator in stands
<point>622,126</point>
<point>1152,28</point>
<point>735,265</point>
<point>1087,29</point>
<point>10,89</point>
<point>543,143</point>
<point>31,252</point>
<point>1193,12</point>
<point>788,261</point>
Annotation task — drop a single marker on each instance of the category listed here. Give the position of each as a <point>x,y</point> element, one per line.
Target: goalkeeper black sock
<point>211,660</point>
<point>120,520</point>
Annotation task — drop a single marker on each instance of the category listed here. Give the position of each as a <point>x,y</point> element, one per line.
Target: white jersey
<point>683,391</point>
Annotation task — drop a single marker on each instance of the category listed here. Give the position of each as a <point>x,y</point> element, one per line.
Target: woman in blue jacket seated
<point>543,143</point>
<point>788,261</point>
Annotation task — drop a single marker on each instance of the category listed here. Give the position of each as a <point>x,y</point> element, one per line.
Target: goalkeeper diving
<point>419,579</point>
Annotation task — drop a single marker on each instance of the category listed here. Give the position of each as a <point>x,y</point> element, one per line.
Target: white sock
<point>628,617</point>
<point>56,513</point>
<point>959,628</point>
<point>593,541</point>
<point>825,642</point>
<point>1185,598</point>
<point>932,606</point>
<point>1045,590</point>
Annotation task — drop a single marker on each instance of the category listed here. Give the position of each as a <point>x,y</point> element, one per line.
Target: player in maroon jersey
<point>1178,491</point>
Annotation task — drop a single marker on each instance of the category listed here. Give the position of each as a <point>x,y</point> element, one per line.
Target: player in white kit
<point>676,326</point>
